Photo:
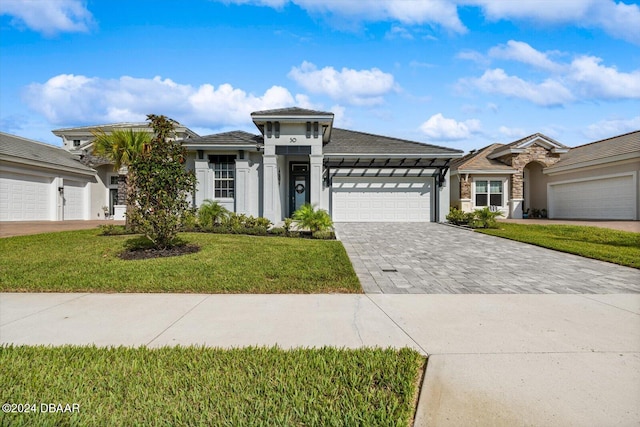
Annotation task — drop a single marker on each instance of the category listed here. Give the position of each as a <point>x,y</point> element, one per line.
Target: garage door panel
<point>74,200</point>
<point>388,199</point>
<point>24,197</point>
<point>604,198</point>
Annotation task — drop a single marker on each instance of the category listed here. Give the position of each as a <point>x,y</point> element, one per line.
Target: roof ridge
<point>606,139</point>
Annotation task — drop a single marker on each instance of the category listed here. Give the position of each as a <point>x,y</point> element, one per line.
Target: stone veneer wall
<point>465,187</point>
<point>534,153</point>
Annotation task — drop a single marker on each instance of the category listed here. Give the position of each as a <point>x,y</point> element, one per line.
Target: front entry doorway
<point>298,186</point>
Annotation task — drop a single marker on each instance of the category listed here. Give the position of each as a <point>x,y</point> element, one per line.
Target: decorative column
<point>202,175</point>
<point>517,195</point>
<point>465,194</point>
<point>243,190</point>
<point>315,178</point>
<point>271,189</point>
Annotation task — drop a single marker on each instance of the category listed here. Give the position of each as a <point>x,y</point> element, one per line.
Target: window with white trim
<point>224,167</point>
<point>489,193</point>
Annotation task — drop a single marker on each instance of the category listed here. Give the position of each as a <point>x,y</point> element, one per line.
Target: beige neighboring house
<point>42,182</point>
<point>598,180</point>
<point>108,189</point>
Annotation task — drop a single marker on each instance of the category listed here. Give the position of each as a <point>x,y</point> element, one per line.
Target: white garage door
<point>74,199</point>
<point>381,199</point>
<point>603,198</point>
<point>24,197</point>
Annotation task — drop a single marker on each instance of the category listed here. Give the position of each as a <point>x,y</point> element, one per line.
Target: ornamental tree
<point>160,185</point>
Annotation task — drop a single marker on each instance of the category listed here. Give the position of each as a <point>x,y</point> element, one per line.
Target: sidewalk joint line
<point>400,327</point>
<point>588,296</point>
<point>45,309</point>
<point>178,319</point>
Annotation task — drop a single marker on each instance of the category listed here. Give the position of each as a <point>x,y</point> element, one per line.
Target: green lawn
<point>619,247</point>
<point>82,261</point>
<point>203,386</point>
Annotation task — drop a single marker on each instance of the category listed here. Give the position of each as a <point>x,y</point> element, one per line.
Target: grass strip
<point>82,261</point>
<point>619,247</point>
<point>253,386</point>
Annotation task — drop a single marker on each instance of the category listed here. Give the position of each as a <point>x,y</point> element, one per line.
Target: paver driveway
<point>432,258</point>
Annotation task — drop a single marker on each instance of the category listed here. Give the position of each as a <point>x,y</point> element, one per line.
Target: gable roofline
<point>237,139</point>
<point>522,144</point>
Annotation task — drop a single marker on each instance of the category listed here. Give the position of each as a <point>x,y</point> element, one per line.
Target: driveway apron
<point>429,258</point>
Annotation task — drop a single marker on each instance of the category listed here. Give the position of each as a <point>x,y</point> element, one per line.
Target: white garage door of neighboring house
<point>24,197</point>
<point>602,198</point>
<point>381,199</point>
<point>75,199</point>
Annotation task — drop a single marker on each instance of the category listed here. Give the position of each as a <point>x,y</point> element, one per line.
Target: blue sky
<point>459,73</point>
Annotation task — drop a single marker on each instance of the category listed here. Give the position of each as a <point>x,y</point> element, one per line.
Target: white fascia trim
<point>220,147</point>
<point>483,172</point>
<point>47,165</point>
<point>505,152</point>
<point>626,158</point>
<point>390,156</point>
<point>292,119</point>
<point>593,178</point>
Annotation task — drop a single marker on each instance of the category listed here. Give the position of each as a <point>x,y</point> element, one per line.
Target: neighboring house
<point>42,182</point>
<point>594,181</point>
<point>108,190</point>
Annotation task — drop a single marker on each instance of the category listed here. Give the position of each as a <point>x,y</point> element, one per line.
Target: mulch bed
<point>150,253</point>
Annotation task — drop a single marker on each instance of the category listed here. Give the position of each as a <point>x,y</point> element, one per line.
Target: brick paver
<point>406,258</point>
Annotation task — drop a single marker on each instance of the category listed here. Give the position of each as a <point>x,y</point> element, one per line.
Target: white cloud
<point>608,128</point>
<point>597,81</point>
<point>438,127</point>
<point>616,18</point>
<point>437,12</point>
<point>76,99</point>
<point>397,32</point>
<point>512,132</point>
<point>548,93</point>
<point>357,87</point>
<point>48,16</point>
<point>523,52</point>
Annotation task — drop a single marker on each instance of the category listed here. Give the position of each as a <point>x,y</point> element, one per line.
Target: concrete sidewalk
<point>552,360</point>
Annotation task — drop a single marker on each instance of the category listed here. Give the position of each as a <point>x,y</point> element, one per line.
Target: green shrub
<point>458,217</point>
<point>278,231</point>
<point>313,219</point>
<point>211,213</point>
<point>113,230</point>
<point>485,218</point>
<point>324,235</point>
<point>189,220</point>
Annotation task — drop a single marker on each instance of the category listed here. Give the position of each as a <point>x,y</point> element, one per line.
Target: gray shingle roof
<point>236,137</point>
<point>12,146</point>
<point>351,142</point>
<point>627,143</point>
<point>292,111</point>
<point>478,160</point>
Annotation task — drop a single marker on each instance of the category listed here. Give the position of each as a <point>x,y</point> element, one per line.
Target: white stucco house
<point>598,180</point>
<point>297,157</point>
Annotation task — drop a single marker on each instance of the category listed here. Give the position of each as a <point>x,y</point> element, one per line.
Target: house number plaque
<point>292,139</point>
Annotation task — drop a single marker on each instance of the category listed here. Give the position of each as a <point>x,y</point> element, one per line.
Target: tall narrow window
<point>223,176</point>
<point>315,129</point>
<point>495,193</point>
<point>276,126</point>
<point>308,129</point>
<point>269,129</point>
<point>482,193</point>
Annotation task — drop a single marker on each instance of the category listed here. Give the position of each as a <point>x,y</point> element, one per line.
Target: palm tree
<point>121,147</point>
